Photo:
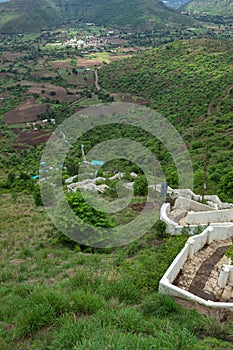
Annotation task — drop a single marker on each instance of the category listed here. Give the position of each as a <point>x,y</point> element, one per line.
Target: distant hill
<point>17,16</point>
<point>211,7</point>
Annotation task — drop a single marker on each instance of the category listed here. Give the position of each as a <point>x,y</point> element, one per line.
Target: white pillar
<point>209,235</point>
<point>223,276</point>
<point>191,248</point>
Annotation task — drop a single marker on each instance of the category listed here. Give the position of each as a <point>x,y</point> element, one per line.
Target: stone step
<point>200,274</point>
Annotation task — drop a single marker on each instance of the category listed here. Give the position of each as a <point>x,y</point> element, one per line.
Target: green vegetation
<point>55,296</point>
<point>19,16</point>
<point>211,7</point>
<point>190,83</point>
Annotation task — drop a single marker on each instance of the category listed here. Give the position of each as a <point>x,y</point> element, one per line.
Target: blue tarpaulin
<point>97,162</point>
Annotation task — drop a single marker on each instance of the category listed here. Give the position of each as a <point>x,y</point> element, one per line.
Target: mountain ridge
<point>211,7</point>
<point>25,16</point>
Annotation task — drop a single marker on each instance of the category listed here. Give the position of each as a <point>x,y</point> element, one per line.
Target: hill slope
<point>211,7</point>
<point>28,16</point>
<point>20,16</point>
<point>191,83</point>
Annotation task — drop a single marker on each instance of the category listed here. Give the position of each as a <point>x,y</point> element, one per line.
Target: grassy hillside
<point>191,83</point>
<point>211,7</point>
<point>53,296</point>
<point>30,16</point>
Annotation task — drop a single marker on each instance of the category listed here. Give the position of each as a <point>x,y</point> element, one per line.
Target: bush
<point>140,186</point>
<point>160,229</point>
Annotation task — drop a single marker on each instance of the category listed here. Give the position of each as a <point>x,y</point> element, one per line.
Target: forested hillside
<point>190,83</point>
<point>211,7</point>
<point>18,16</point>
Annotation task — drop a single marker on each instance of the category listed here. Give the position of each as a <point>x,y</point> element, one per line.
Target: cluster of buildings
<point>40,123</point>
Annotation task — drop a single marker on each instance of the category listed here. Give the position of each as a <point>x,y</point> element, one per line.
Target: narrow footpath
<point>97,80</point>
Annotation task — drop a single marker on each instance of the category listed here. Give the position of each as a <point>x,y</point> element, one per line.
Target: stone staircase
<point>200,274</point>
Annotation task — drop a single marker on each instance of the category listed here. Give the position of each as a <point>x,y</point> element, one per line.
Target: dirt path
<point>97,80</point>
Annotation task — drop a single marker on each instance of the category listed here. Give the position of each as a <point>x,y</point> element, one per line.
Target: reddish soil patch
<point>131,49</point>
<point>25,112</point>
<point>43,74</point>
<point>138,207</point>
<point>85,62</point>
<point>117,58</point>
<point>60,64</point>
<point>44,90</point>
<point>31,137</point>
<point>11,56</point>
<point>120,97</point>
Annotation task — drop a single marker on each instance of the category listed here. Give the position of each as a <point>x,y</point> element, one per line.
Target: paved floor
<point>200,274</point>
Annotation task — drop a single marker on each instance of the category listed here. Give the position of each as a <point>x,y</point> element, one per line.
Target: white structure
<point>209,216</point>
<point>173,227</point>
<point>190,213</point>
<point>118,175</point>
<point>214,232</point>
<point>88,184</point>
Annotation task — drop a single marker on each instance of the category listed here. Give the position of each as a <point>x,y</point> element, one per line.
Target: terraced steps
<point>200,274</point>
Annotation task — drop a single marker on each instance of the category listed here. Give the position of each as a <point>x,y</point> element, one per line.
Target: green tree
<point>226,186</point>
<point>85,212</point>
<point>140,186</point>
<point>86,227</point>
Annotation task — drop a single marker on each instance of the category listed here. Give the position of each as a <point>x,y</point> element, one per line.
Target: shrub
<point>140,186</point>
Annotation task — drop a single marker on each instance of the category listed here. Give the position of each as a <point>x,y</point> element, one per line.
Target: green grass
<point>53,296</point>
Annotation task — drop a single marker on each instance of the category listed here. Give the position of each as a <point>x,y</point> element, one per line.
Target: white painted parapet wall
<point>212,200</point>
<point>209,216</point>
<point>214,232</point>
<point>172,227</point>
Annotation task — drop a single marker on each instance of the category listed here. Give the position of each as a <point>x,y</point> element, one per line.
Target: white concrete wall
<point>199,241</point>
<point>164,212</point>
<point>193,244</point>
<point>169,289</point>
<point>221,231</point>
<point>209,216</point>
<point>177,264</point>
<point>172,227</point>
<point>184,192</point>
<point>230,278</point>
<point>189,205</point>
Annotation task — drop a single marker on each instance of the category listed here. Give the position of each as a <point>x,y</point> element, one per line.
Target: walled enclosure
<point>214,232</point>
